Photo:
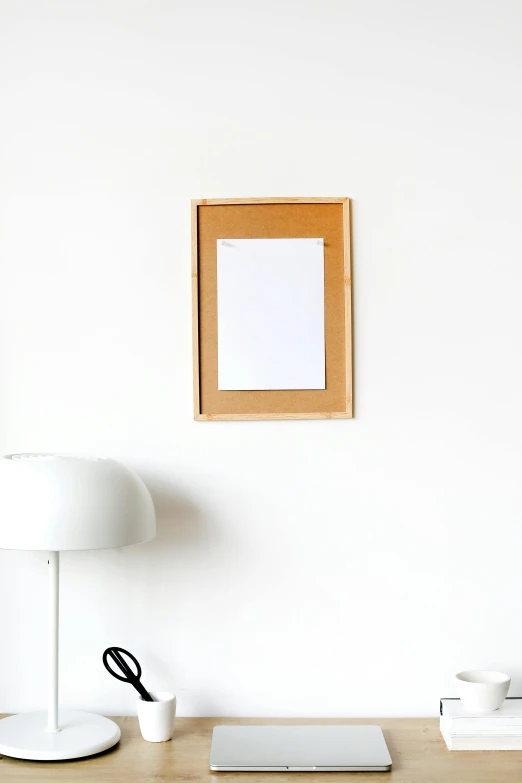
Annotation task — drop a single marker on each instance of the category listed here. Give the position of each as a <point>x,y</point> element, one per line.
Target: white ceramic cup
<point>482,691</point>
<point>156,718</point>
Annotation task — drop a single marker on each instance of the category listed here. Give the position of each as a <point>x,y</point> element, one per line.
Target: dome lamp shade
<point>58,502</point>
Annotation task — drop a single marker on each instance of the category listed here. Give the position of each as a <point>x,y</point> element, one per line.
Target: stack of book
<point>499,730</point>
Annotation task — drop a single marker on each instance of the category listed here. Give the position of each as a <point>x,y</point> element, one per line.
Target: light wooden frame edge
<point>346,414</point>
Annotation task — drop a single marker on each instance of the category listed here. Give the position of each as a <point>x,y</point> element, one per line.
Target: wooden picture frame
<point>260,218</point>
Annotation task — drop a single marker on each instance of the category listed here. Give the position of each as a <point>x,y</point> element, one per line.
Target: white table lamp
<point>56,502</point>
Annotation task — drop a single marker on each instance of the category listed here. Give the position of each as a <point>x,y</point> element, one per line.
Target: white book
<point>509,714</point>
<point>498,730</point>
<point>466,728</point>
<point>493,743</point>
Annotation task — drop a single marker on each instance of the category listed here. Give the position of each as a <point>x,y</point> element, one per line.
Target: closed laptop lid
<point>305,747</point>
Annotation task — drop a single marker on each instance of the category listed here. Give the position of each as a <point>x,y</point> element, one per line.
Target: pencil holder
<point>156,718</point>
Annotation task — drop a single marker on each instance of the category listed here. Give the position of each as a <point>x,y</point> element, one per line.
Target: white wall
<point>301,568</point>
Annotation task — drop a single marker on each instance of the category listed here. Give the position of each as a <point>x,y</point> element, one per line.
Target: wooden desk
<point>417,749</point>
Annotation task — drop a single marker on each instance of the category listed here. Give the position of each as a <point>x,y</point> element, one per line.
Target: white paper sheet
<point>270,314</point>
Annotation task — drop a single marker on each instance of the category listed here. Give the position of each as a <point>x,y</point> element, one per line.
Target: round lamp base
<point>81,734</point>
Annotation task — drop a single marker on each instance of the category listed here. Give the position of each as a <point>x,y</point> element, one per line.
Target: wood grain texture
<point>195,308</point>
<point>270,416</point>
<point>272,218</point>
<point>274,200</point>
<point>417,749</point>
<point>348,323</point>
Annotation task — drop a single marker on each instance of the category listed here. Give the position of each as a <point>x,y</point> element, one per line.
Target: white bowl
<point>482,691</point>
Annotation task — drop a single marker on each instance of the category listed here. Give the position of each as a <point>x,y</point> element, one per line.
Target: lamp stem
<point>54,597</point>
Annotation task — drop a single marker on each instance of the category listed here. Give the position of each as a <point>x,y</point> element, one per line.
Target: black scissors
<point>116,654</point>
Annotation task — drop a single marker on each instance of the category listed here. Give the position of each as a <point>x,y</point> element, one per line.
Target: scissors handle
<point>115,654</point>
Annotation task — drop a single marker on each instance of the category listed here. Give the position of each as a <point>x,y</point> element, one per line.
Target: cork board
<point>272,218</point>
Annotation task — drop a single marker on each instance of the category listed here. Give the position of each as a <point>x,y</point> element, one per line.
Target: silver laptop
<point>299,749</point>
